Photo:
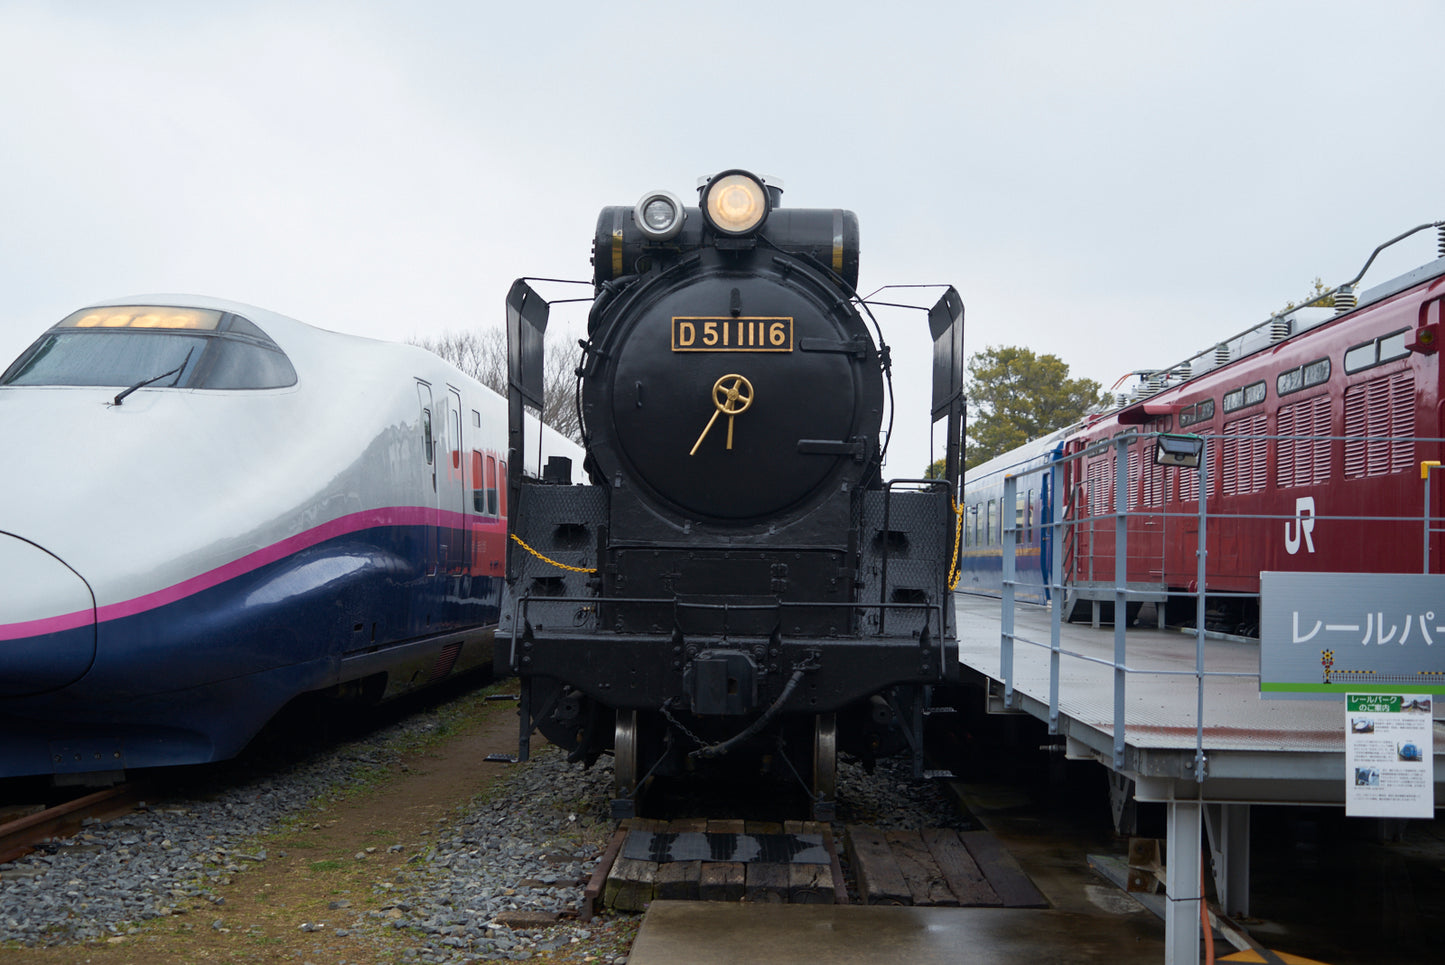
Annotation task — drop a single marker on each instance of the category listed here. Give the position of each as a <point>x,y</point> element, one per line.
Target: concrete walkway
<point>716,933</point>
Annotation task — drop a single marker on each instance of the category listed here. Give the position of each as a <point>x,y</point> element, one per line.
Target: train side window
<point>1201,412</point>
<point>502,490</point>
<point>479,492</point>
<point>1021,532</point>
<point>1386,348</point>
<point>476,419</point>
<point>1244,397</point>
<point>990,525</point>
<point>493,503</point>
<point>423,394</point>
<point>1317,372</point>
<point>1393,347</point>
<point>455,420</point>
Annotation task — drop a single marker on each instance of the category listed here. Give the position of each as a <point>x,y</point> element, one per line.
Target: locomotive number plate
<point>705,333</point>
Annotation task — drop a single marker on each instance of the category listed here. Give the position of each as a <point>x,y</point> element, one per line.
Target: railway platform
<point>1174,723</point>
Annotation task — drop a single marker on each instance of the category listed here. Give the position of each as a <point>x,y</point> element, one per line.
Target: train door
<point>452,495</point>
<point>427,497</point>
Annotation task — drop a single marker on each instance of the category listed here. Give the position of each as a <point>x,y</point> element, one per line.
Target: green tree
<point>1015,395</point>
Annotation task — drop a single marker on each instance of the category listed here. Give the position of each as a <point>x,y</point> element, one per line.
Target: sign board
<point>1328,634</point>
<point>1389,756</point>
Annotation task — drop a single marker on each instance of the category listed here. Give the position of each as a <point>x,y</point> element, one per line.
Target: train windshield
<point>125,345</point>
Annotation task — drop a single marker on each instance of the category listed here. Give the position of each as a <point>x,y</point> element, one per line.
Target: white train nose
<point>47,620</point>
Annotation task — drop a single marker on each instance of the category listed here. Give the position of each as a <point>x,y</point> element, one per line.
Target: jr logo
<point>1302,527</point>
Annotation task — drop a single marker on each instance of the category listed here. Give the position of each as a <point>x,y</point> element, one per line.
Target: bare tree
<point>482,354</point>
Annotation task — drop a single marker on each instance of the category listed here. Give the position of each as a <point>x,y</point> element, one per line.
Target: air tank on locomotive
<point>738,583</point>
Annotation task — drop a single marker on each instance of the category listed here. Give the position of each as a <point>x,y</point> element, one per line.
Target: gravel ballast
<point>481,886</point>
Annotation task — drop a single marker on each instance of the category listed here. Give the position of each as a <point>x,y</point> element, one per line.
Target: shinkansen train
<point>209,509</point>
<point>1321,433</point>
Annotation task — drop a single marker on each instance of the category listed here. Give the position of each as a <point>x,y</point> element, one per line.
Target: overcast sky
<point>1122,184</point>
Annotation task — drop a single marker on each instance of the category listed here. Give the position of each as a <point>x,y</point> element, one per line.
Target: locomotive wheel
<point>624,762</point>
<point>825,766</point>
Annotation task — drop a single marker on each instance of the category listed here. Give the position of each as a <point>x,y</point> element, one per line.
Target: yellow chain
<point>564,566</point>
<point>954,573</point>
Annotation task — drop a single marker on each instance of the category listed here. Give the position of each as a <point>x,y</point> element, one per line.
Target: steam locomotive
<point>738,587</point>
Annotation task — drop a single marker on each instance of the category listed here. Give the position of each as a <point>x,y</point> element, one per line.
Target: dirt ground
<point>336,868</point>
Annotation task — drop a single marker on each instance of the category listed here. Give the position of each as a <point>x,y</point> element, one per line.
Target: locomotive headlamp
<point>735,203</point>
<point>659,215</point>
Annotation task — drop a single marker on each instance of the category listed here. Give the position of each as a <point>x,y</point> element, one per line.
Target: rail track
<point>19,836</point>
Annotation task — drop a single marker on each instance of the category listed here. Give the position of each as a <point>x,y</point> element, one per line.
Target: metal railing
<point>1060,526</point>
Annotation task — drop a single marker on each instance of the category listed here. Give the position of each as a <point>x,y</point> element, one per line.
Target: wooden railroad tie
<point>796,862</point>
<point>937,866</point>
<point>719,860</point>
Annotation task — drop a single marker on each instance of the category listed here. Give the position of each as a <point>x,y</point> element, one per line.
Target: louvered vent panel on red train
<point>1402,422</point>
<point>1245,455</point>
<point>1133,474</point>
<point>1379,421</point>
<point>1189,487</point>
<point>1100,480</point>
<point>1304,445</point>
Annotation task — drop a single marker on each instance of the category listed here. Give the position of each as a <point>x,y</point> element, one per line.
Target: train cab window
<point>122,345</point>
<point>1377,351</point>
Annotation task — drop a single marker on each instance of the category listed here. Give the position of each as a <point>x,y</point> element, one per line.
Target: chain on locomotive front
<point>738,585</point>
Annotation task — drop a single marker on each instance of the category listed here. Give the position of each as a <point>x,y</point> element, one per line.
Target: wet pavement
<point>708,933</point>
<point>1324,887</point>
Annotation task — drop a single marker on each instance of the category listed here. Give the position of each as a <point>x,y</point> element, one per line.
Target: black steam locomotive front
<point>737,584</point>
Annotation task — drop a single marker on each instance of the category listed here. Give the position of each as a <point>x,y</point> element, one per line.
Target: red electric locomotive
<point>1321,436</point>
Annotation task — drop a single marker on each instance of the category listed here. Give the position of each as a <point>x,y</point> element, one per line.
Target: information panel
<point>1389,756</point>
<point>1328,634</point>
